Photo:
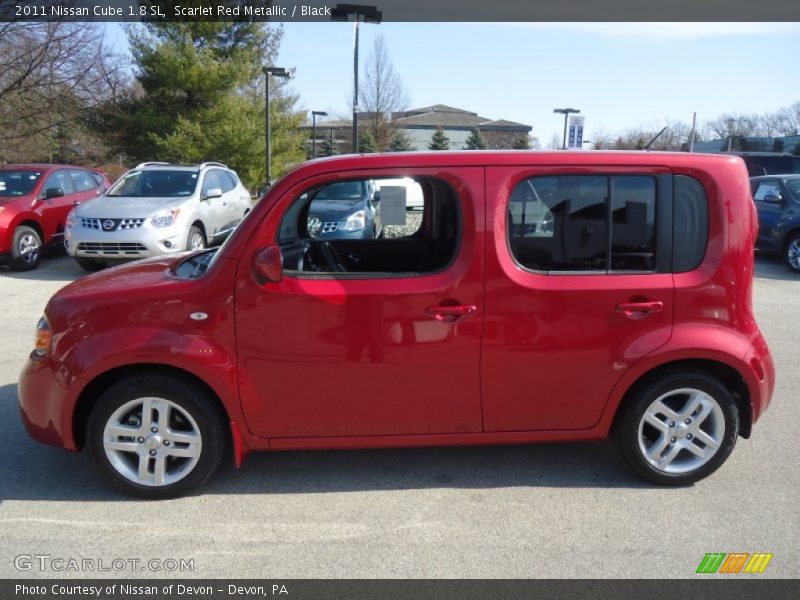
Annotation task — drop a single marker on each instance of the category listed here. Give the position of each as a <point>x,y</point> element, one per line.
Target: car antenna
<point>658,135</point>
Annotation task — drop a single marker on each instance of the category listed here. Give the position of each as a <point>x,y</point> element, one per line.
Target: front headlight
<point>166,218</point>
<point>72,218</point>
<point>44,337</point>
<point>356,221</point>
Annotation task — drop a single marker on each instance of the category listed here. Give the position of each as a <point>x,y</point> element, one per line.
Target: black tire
<point>26,249</point>
<point>191,398</point>
<point>626,432</point>
<point>92,266</point>
<point>790,252</point>
<point>195,231</point>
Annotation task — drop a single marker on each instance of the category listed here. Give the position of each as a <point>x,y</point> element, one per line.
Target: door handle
<point>639,310</point>
<point>449,314</point>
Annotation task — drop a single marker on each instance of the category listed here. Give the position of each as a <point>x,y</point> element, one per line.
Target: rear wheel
<point>679,429</point>
<point>156,436</point>
<point>792,253</point>
<point>196,239</point>
<point>26,249</point>
<point>91,265</point>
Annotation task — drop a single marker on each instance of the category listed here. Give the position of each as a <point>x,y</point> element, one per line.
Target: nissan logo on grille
<point>108,225</point>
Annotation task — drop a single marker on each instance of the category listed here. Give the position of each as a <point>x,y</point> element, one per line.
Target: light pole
<point>566,112</point>
<point>274,72</point>
<point>730,133</point>
<point>370,14</point>
<point>314,115</point>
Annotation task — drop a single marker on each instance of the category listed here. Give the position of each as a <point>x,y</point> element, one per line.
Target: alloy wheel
<point>681,430</point>
<point>29,248</point>
<point>793,254</point>
<point>152,441</point>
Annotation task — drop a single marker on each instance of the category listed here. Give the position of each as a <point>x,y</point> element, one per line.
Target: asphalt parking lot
<point>550,510</point>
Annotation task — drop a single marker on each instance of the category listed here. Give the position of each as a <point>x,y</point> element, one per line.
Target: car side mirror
<point>268,265</point>
<point>213,193</point>
<point>773,198</point>
<point>376,197</point>
<point>55,192</point>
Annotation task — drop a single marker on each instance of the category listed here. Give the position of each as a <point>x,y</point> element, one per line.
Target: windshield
<point>18,183</point>
<point>155,184</point>
<point>794,188</point>
<point>196,265</point>
<point>346,190</point>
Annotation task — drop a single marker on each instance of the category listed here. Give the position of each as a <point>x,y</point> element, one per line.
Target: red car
<point>533,297</point>
<point>34,203</point>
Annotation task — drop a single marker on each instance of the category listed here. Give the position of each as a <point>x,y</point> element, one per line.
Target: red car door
<point>325,355</point>
<point>561,327</point>
<point>53,211</point>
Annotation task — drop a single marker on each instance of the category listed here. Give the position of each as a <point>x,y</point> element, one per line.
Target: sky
<point>620,75</point>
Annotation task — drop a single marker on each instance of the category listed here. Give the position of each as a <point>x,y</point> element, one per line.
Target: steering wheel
<point>332,257</point>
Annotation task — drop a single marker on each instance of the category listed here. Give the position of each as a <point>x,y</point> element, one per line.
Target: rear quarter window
<point>690,224</point>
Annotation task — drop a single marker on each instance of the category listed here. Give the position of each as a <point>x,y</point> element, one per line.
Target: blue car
<point>777,200</point>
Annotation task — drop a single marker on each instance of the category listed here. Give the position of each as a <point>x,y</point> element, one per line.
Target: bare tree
<point>381,94</point>
<point>52,74</point>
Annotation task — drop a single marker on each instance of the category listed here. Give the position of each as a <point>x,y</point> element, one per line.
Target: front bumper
<point>47,399</point>
<point>142,242</point>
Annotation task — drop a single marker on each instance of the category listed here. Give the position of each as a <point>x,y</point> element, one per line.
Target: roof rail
<point>212,164</point>
<point>151,164</point>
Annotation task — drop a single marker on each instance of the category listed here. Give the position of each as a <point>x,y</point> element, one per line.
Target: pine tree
<point>201,98</point>
<point>475,140</point>
<point>400,142</point>
<point>327,146</point>
<point>439,141</point>
<point>522,143</point>
<point>367,143</point>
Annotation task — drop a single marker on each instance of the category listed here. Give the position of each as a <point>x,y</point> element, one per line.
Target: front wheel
<point>792,253</point>
<point>196,239</point>
<point>26,248</point>
<point>679,429</point>
<point>155,436</point>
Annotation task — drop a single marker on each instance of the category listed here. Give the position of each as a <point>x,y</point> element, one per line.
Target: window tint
<point>767,188</point>
<point>83,180</point>
<point>211,181</point>
<point>412,227</point>
<point>794,188</point>
<point>560,223</point>
<point>633,223</point>
<point>227,180</point>
<point>690,224</point>
<point>18,183</point>
<point>59,179</point>
<point>156,183</point>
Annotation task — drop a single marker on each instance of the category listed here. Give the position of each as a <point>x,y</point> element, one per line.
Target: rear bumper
<point>47,399</point>
<point>760,376</point>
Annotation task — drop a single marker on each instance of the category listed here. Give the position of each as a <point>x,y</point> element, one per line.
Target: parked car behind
<point>35,200</point>
<point>622,307</point>
<point>157,208</point>
<point>349,209</point>
<point>777,200</point>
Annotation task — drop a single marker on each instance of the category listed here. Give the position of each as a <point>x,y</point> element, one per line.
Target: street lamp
<point>314,115</point>
<point>566,112</point>
<point>274,72</point>
<point>370,14</point>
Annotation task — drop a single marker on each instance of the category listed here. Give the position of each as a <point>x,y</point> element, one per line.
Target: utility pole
<point>275,72</point>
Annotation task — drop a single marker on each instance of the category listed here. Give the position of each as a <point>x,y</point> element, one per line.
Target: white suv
<point>154,209</point>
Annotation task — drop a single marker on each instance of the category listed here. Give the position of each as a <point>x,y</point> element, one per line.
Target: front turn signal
<point>44,337</point>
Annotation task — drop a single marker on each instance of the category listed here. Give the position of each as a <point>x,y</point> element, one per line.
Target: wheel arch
<point>92,392</point>
<point>728,376</point>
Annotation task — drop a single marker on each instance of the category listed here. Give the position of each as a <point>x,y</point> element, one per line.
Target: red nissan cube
<point>520,297</point>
